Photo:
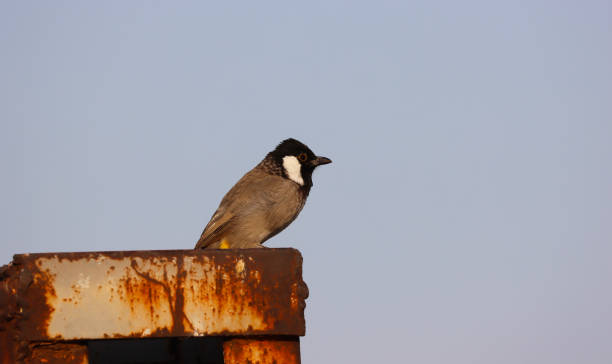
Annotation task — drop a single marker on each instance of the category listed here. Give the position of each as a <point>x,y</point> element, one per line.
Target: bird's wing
<point>225,216</point>
<point>213,231</point>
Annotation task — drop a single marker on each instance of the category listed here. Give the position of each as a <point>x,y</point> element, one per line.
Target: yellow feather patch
<point>224,244</point>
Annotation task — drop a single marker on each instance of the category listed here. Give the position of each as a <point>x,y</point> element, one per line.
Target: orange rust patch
<point>262,351</point>
<point>57,353</point>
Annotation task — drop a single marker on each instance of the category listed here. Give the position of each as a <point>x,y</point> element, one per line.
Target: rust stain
<point>174,296</point>
<point>23,294</point>
<point>269,350</point>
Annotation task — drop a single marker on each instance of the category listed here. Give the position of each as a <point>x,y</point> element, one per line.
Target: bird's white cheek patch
<point>293,168</point>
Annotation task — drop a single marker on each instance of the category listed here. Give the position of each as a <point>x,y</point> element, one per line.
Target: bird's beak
<point>320,161</point>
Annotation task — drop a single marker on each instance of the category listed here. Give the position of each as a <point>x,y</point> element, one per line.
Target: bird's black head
<point>297,161</point>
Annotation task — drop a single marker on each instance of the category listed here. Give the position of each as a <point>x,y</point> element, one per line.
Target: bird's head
<point>297,161</point>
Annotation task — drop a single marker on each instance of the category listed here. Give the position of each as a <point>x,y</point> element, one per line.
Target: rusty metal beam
<point>82,296</point>
<point>262,351</point>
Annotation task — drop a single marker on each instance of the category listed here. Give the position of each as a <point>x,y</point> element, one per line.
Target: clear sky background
<point>467,217</point>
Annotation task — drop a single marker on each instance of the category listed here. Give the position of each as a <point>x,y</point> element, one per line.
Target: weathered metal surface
<point>262,351</point>
<point>57,353</point>
<point>78,296</point>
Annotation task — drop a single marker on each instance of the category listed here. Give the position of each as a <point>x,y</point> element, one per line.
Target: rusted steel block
<point>262,351</point>
<point>57,353</point>
<point>79,296</point>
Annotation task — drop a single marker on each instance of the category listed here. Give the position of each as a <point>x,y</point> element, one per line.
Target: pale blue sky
<point>467,216</point>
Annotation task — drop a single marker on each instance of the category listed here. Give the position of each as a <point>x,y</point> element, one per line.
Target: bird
<point>265,200</point>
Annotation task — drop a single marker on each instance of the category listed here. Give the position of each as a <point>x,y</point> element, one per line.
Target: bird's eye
<point>302,157</point>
